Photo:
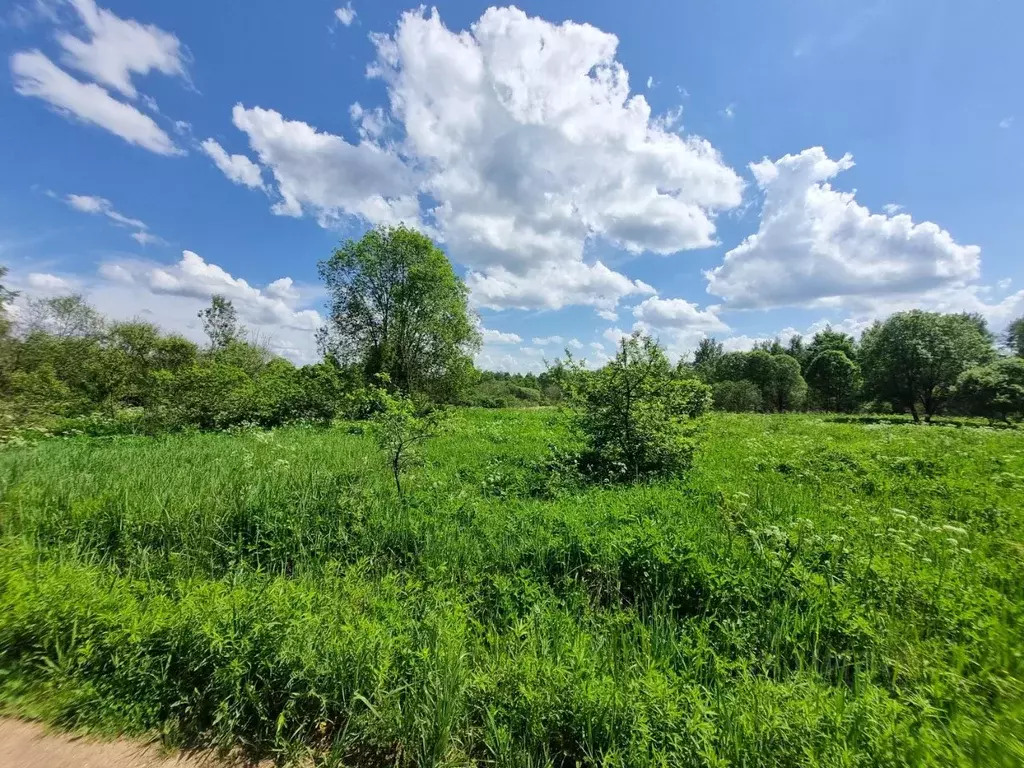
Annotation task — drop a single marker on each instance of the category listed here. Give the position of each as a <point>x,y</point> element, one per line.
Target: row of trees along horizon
<point>400,315</point>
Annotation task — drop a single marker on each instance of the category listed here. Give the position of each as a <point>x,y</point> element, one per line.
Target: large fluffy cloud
<point>679,314</point>
<point>531,142</point>
<point>553,285</point>
<point>522,142</point>
<point>324,174</point>
<point>196,278</point>
<point>818,246</point>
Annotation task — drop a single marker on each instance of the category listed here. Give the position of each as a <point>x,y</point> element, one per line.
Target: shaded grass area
<point>813,593</point>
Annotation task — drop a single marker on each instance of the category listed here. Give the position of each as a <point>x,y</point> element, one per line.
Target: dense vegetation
<point>215,545</point>
<point>812,593</point>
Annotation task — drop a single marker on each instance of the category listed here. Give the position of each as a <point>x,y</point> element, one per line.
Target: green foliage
<point>740,396</point>
<point>630,413</point>
<point>828,340</point>
<point>811,593</point>
<point>510,390</point>
<point>6,297</point>
<point>914,358</point>
<point>995,391</point>
<point>1014,337</point>
<point>397,307</point>
<point>220,323</point>
<point>778,378</point>
<point>834,381</point>
<point>706,358</point>
<point>398,430</point>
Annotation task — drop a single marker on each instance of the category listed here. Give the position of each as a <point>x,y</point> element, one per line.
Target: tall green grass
<point>812,593</point>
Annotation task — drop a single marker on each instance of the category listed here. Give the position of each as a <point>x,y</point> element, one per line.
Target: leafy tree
<point>1014,337</point>
<point>630,413</point>
<point>778,378</point>
<point>706,358</point>
<point>737,396</point>
<point>220,322</point>
<point>399,431</point>
<point>63,317</point>
<point>771,346</point>
<point>828,339</point>
<point>732,366</point>
<point>65,334</point>
<point>834,380</point>
<point>913,359</point>
<point>397,307</point>
<point>995,391</point>
<point>797,349</point>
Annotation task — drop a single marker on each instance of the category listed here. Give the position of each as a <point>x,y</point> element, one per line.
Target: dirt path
<point>30,745</point>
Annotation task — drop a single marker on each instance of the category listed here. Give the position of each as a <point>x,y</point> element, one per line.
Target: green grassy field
<point>812,593</point>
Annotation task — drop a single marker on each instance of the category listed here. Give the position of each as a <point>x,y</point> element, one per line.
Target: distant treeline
<point>399,314</point>
<point>921,363</point>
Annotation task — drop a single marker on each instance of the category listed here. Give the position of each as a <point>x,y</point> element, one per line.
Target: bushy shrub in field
<point>995,391</point>
<point>630,414</point>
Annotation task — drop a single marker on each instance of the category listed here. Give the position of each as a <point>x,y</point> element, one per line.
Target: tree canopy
<point>994,391</point>
<point>913,359</point>
<point>397,307</point>
<point>834,380</point>
<point>220,322</point>
<point>1015,337</point>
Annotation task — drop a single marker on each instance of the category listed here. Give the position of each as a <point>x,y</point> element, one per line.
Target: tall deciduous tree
<point>397,307</point>
<point>220,322</point>
<point>828,339</point>
<point>706,357</point>
<point>834,380</point>
<point>913,359</point>
<point>778,378</point>
<point>995,391</point>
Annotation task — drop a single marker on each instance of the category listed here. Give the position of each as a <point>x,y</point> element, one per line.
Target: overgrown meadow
<point>813,592</point>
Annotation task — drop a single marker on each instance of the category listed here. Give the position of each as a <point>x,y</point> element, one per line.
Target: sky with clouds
<point>735,169</point>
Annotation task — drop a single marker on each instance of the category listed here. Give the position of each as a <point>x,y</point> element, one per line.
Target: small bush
<point>631,413</point>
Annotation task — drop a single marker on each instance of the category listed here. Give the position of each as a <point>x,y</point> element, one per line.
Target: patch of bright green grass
<point>813,593</point>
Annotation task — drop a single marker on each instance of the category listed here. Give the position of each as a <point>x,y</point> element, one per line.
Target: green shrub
<point>995,391</point>
<point>630,414</point>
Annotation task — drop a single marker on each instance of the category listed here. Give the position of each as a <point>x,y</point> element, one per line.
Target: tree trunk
<point>913,412</point>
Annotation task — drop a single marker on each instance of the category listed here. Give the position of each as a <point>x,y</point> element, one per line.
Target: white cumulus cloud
<point>47,283</point>
<point>515,142</point>
<point>491,336</point>
<point>553,286</point>
<point>818,246</point>
<point>322,173</point>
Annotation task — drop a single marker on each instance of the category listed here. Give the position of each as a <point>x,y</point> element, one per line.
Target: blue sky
<point>735,169</point>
